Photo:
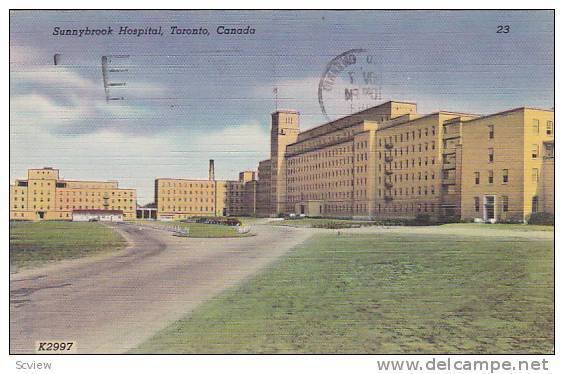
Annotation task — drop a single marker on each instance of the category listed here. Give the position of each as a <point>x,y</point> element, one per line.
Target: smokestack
<point>211,172</point>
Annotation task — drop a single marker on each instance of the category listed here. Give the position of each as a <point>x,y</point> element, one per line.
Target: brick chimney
<point>211,171</point>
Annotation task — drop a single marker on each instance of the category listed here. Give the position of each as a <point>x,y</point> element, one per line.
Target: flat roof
<point>293,111</point>
<point>356,114</point>
<point>424,116</point>
<point>186,179</point>
<point>522,108</point>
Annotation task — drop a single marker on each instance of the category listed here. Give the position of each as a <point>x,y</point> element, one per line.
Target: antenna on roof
<point>275,91</point>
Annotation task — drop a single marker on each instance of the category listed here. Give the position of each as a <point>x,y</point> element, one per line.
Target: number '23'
<point>503,29</point>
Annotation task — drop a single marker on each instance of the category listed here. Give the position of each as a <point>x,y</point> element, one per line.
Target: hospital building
<point>45,196</point>
<point>390,162</point>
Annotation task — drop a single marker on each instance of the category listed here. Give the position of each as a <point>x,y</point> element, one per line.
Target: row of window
<point>421,147</point>
<point>325,140</point>
<point>296,167</point>
<point>505,176</point>
<point>400,137</point>
<point>408,208</point>
<point>187,199</point>
<point>421,190</point>
<point>186,192</point>
<point>74,207</point>
<point>174,208</point>
<point>404,164</point>
<point>325,175</point>
<point>401,177</point>
<point>504,203</point>
<point>548,130</point>
<point>186,184</point>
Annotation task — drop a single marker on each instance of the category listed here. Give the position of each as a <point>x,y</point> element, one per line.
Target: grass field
<point>36,243</point>
<point>201,230</point>
<point>501,226</point>
<point>310,222</point>
<point>386,293</point>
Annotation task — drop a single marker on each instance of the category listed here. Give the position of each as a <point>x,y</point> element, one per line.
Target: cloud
<point>136,161</point>
<point>297,94</point>
<point>66,102</point>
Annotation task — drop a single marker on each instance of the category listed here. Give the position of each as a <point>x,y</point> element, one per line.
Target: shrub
<point>421,220</point>
<point>334,225</point>
<point>541,218</point>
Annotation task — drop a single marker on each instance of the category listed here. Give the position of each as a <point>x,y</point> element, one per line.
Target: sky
<point>190,98</point>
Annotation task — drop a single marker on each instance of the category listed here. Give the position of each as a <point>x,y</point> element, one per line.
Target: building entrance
<point>489,207</point>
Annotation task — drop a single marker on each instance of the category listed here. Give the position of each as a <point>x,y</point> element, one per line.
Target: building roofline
<point>357,113</point>
<point>86,181</point>
<point>186,179</point>
<point>522,108</point>
<point>352,124</point>
<point>424,116</point>
<point>292,111</point>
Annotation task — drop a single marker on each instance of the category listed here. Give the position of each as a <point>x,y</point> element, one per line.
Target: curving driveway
<point>111,304</point>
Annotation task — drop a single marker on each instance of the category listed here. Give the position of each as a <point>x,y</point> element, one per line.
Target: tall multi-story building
<point>284,131</point>
<point>409,165</point>
<point>507,167</point>
<point>183,198</point>
<point>44,196</point>
<point>329,169</point>
<point>263,189</point>
<point>387,161</point>
<point>390,162</point>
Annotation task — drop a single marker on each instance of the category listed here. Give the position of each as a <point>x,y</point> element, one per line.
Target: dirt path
<point>113,303</point>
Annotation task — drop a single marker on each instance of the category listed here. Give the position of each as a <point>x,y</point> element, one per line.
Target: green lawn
<point>248,220</point>
<point>386,293</point>
<point>312,222</point>
<point>201,230</point>
<point>35,243</point>
<point>501,226</point>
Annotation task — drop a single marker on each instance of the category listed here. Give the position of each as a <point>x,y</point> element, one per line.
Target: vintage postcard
<point>282,182</point>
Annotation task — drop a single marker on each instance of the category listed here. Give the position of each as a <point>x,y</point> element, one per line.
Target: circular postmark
<point>349,84</point>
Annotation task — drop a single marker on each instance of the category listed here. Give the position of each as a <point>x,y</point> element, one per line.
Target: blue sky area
<point>189,98</point>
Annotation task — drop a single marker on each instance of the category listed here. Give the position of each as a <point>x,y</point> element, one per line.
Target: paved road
<point>111,304</point>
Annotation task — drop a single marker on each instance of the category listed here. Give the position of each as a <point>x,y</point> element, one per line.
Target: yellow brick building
<point>44,196</point>
<point>263,208</point>
<point>507,168</point>
<point>409,165</point>
<point>391,162</point>
<point>331,169</point>
<point>183,198</point>
<point>385,162</point>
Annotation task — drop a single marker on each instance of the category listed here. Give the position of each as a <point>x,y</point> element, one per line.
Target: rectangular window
<point>477,204</point>
<point>477,177</point>
<point>549,128</point>
<point>505,174</point>
<point>490,176</point>
<point>535,207</point>
<point>535,175</point>
<point>491,131</point>
<point>535,126</point>
<point>490,154</point>
<point>505,203</point>
<point>535,151</point>
<point>548,150</point>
